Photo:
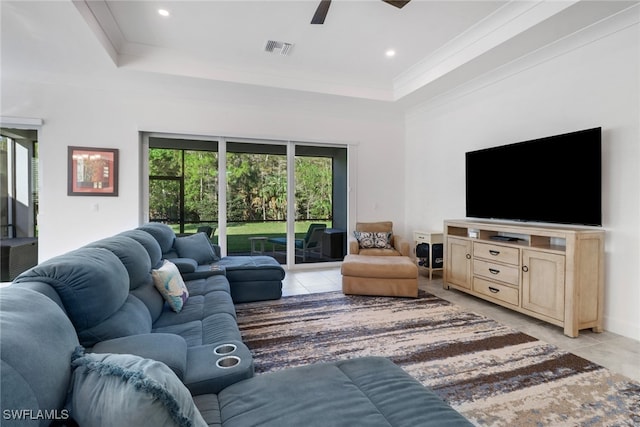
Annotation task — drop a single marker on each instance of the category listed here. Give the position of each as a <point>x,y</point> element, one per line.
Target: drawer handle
<point>468,256</point>
<point>494,253</point>
<point>525,268</point>
<point>494,290</point>
<point>494,271</point>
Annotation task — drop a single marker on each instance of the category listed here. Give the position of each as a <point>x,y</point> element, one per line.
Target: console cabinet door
<point>458,261</point>
<point>543,283</point>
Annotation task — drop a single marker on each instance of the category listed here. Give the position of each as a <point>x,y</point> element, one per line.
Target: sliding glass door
<point>256,198</point>
<point>320,203</point>
<point>276,198</point>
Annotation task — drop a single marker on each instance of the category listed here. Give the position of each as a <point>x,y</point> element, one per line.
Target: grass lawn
<point>238,233</point>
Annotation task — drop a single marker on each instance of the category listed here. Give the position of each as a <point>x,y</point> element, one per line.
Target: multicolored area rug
<point>489,372</point>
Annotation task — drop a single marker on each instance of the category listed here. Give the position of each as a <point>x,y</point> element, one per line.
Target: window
<point>183,184</point>
<point>185,191</point>
<point>18,183</point>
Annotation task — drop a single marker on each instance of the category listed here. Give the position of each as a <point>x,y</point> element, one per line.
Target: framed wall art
<point>92,171</point>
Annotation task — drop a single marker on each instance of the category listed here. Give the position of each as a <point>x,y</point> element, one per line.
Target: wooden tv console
<point>555,274</point>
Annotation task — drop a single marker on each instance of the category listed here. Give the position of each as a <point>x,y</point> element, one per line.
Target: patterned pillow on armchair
<point>369,240</point>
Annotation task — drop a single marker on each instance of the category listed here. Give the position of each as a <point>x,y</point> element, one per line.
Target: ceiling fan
<point>323,8</point>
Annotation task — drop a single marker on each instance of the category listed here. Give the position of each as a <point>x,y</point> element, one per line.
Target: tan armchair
<point>400,246</point>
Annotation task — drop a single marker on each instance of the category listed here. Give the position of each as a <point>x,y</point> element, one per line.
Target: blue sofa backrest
<point>35,326</point>
<point>135,258</point>
<point>93,285</point>
<point>149,243</point>
<point>164,235</point>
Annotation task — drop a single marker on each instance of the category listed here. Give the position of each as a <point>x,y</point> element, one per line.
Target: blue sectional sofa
<point>107,291</point>
<point>87,335</point>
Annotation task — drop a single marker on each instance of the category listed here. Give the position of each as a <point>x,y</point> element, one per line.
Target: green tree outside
<point>256,186</point>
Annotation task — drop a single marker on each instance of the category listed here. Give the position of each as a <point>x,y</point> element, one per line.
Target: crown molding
<point>507,22</point>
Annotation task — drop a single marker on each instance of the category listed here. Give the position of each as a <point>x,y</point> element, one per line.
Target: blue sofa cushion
<point>252,268</point>
<point>93,286</point>
<point>198,307</point>
<point>196,246</point>
<point>44,289</point>
<point>256,290</point>
<point>133,256</point>
<point>132,318</point>
<point>37,342</point>
<point>127,390</point>
<point>91,282</point>
<point>185,265</point>
<point>204,271</point>
<point>149,243</point>
<point>169,349</point>
<point>150,296</point>
<point>207,284</point>
<point>216,328</point>
<point>146,291</point>
<point>163,234</point>
<point>209,408</point>
<point>369,391</point>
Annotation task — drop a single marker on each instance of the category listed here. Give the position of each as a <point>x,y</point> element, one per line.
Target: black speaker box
<point>436,258</point>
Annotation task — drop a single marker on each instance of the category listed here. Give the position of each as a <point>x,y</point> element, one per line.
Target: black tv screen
<point>555,179</point>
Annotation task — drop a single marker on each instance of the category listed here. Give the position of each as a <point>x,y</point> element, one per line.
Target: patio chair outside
<point>206,229</point>
<point>312,241</point>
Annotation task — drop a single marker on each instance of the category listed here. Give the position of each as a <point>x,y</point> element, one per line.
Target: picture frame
<point>92,171</point>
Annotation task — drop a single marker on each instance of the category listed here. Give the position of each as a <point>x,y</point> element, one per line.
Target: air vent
<point>273,46</point>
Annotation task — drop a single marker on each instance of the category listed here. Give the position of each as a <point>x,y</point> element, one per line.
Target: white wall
<point>54,69</point>
<point>582,83</point>
<point>87,116</point>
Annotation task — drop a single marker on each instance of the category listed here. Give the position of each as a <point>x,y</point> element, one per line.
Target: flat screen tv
<point>552,180</point>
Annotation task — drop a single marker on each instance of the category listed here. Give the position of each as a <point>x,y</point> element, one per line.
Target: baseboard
<point>620,327</point>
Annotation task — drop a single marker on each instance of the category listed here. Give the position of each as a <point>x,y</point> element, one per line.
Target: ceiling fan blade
<point>321,12</point>
<point>397,3</point>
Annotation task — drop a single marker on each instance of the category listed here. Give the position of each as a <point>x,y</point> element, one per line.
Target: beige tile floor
<point>618,353</point>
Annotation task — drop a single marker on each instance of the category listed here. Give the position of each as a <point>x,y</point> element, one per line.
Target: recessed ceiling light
<point>390,53</point>
<point>163,12</point>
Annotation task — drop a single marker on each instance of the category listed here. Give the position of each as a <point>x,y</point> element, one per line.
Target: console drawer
<point>495,290</point>
<point>504,273</point>
<point>497,253</point>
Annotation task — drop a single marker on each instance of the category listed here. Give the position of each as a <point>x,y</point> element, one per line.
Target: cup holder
<point>227,362</point>
<point>225,349</point>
